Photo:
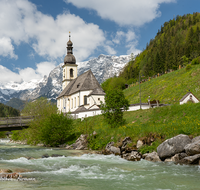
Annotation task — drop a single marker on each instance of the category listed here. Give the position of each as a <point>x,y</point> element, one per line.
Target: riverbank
<point>91,171</point>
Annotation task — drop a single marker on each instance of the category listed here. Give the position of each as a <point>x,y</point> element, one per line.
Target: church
<point>82,95</point>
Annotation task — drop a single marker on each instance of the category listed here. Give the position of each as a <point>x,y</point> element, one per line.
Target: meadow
<point>153,126</point>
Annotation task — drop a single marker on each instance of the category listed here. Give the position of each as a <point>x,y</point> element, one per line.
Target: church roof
<point>97,91</point>
<point>86,81</point>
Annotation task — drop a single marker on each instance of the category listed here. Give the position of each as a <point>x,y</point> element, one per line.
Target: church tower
<point>69,67</point>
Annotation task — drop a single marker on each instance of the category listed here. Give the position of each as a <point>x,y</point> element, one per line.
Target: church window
<point>78,101</point>
<point>71,73</point>
<point>74,102</point>
<point>85,100</point>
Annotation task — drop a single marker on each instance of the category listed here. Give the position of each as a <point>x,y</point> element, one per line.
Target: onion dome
<point>69,58</point>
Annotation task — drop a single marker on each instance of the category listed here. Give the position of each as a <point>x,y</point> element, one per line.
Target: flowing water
<point>80,171</point>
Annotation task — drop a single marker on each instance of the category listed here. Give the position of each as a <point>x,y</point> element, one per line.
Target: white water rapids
<point>78,171</point>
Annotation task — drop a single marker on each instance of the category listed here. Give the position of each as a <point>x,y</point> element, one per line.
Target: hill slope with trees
<point>176,43</point>
<point>7,111</point>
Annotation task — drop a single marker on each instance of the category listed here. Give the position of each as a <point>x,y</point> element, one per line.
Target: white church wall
<point>96,99</point>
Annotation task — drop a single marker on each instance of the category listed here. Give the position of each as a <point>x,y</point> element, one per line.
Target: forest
<point>176,44</point>
<point>7,111</point>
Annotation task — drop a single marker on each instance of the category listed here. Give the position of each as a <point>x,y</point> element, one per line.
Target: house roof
<point>187,96</point>
<point>86,81</point>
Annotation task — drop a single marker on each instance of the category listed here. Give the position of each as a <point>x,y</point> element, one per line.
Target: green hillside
<point>16,103</point>
<point>176,44</point>
<point>7,111</point>
<point>168,88</point>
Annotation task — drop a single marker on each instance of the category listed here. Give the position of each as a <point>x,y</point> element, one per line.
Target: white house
<point>79,94</point>
<point>189,97</point>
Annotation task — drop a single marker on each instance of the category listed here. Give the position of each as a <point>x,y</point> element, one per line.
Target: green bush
<point>195,61</point>
<point>188,67</point>
<point>56,129</point>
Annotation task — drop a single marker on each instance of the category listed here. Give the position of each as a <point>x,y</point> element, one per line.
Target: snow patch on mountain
<point>103,67</point>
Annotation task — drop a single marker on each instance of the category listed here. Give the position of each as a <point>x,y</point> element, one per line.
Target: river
<point>81,171</point>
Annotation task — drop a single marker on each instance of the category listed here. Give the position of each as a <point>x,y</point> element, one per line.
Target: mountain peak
<point>103,67</point>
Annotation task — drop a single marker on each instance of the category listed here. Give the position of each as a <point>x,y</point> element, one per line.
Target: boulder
<point>193,148</point>
<point>153,156</point>
<point>139,144</point>
<point>177,157</point>
<point>80,144</point>
<point>191,159</point>
<point>173,146</point>
<point>133,156</point>
<point>196,139</point>
<point>110,149</point>
<point>125,142</point>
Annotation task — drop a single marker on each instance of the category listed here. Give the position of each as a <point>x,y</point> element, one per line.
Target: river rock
<point>133,156</point>
<point>196,139</point>
<point>172,146</point>
<point>110,149</point>
<point>6,171</point>
<point>153,156</point>
<point>191,159</point>
<point>80,144</point>
<point>177,157</point>
<point>139,144</point>
<point>193,148</point>
<point>45,156</point>
<point>57,155</point>
<point>125,142</point>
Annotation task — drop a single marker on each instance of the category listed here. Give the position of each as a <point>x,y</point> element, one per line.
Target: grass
<point>168,88</point>
<point>158,123</point>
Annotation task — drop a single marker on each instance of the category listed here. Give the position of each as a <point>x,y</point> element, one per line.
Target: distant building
<point>189,97</point>
<point>82,95</point>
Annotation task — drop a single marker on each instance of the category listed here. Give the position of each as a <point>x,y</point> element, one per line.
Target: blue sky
<point>34,33</point>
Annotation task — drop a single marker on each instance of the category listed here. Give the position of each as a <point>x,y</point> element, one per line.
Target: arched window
<point>72,104</point>
<point>71,73</point>
<point>85,100</point>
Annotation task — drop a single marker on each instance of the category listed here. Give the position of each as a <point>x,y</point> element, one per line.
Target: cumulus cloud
<point>7,75</point>
<point>124,12</point>
<point>26,74</point>
<point>6,48</point>
<point>22,22</point>
<point>129,39</point>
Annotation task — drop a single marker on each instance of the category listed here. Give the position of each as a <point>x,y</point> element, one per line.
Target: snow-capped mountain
<point>103,67</point>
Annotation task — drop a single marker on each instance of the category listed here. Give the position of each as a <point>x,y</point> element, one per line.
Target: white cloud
<point>26,74</point>
<point>44,68</point>
<point>124,12</point>
<point>20,21</point>
<point>6,48</point>
<point>7,75</point>
<point>110,50</point>
<point>132,48</point>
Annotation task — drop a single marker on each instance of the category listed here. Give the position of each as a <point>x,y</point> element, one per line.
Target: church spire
<point>69,45</point>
